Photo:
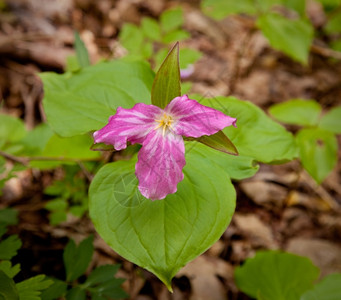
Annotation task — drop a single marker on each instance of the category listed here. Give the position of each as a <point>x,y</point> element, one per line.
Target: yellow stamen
<point>165,122</point>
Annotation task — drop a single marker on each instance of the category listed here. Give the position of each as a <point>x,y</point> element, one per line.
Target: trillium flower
<point>160,131</point>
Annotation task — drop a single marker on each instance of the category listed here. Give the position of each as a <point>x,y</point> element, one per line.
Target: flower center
<point>165,122</point>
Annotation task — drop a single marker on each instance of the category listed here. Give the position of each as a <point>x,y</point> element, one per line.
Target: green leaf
<point>11,130</point>
<point>8,290</point>
<point>151,29</point>
<point>76,147</point>
<point>56,290</point>
<point>238,167</point>
<point>8,216</point>
<point>8,269</point>
<point>334,23</point>
<point>56,204</point>
<point>35,140</point>
<point>219,9</point>
<point>293,37</point>
<point>77,103</point>
<point>101,274</point>
<point>174,36</point>
<point>297,111</point>
<point>167,84</point>
<point>171,19</point>
<point>30,289</point>
<point>218,141</point>
<point>9,247</point>
<point>57,217</point>
<point>296,5</point>
<point>81,51</point>
<point>77,259</point>
<point>331,121</point>
<point>131,38</point>
<point>188,57</point>
<point>274,275</point>
<point>111,288</point>
<point>327,289</point>
<point>76,293</point>
<point>103,284</point>
<point>255,131</point>
<point>162,236</point>
<point>72,64</point>
<point>318,152</point>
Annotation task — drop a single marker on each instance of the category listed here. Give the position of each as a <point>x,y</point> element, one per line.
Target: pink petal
<point>160,163</point>
<point>194,120</point>
<point>130,125</point>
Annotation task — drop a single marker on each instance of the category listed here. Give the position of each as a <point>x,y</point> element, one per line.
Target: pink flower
<point>162,156</point>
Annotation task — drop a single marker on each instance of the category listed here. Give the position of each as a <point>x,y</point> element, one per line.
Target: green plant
<point>316,140</point>
<point>283,276</point>
<point>70,196</point>
<point>151,36</point>
<point>29,289</point>
<point>283,22</point>
<point>100,284</point>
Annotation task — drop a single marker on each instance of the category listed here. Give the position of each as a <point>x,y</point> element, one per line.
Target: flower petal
<point>130,125</point>
<point>194,120</point>
<point>160,163</point>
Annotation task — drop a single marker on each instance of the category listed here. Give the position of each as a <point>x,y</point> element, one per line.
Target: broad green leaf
<point>76,293</point>
<point>274,275</point>
<point>219,9</point>
<point>188,56</point>
<point>8,216</point>
<point>293,37</point>
<point>76,147</point>
<point>167,85</point>
<point>327,289</point>
<point>218,141</point>
<point>9,247</point>
<point>56,290</point>
<point>151,29</point>
<point>11,130</point>
<point>297,111</point>
<point>30,289</point>
<point>101,274</point>
<point>171,19</point>
<point>8,291</point>
<point>162,236</point>
<point>331,121</point>
<point>77,258</point>
<point>238,167</point>
<point>318,151</point>
<point>77,103</point>
<point>81,51</point>
<point>8,269</point>
<point>174,36</point>
<point>255,131</point>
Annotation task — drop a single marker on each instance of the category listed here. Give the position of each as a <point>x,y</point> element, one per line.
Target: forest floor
<point>281,207</point>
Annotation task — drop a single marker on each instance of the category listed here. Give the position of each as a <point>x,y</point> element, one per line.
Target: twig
<point>20,160</point>
<point>326,52</point>
<point>239,55</point>
<point>85,171</point>
<point>321,191</point>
